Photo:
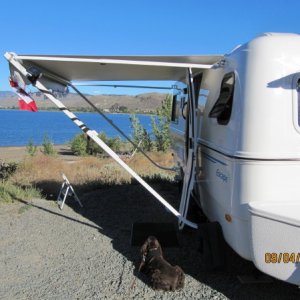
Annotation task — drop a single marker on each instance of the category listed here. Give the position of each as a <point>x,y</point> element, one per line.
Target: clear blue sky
<point>155,27</point>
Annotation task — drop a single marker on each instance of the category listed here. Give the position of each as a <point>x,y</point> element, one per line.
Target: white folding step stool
<point>66,190</point>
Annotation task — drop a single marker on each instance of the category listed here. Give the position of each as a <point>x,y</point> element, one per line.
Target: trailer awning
<point>117,68</point>
<point>125,68</point>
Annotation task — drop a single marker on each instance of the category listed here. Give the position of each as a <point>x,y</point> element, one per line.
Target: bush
<point>31,148</point>
<point>79,144</point>
<point>48,148</point>
<point>161,125</point>
<point>139,134</point>
<point>160,128</point>
<point>113,143</point>
<point>7,169</point>
<point>161,133</point>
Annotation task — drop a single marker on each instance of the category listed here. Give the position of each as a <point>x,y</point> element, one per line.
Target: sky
<point>156,27</point>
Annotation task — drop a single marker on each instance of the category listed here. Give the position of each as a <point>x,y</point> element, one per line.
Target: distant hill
<point>147,102</point>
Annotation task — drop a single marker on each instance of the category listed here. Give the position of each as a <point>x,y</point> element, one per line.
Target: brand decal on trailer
<point>222,176</point>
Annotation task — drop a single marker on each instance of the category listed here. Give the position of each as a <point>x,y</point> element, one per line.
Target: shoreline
<point>87,111</point>
<point>18,153</point>
<point>55,145</point>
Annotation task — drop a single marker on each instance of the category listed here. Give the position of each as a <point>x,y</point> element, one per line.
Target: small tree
<point>140,135</point>
<point>48,148</point>
<point>79,144</point>
<point>113,143</point>
<point>161,125</point>
<point>31,148</point>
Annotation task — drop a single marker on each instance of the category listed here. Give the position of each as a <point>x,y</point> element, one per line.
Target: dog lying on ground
<point>162,275</point>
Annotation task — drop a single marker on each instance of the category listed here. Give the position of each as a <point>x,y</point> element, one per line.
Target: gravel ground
<point>85,253</point>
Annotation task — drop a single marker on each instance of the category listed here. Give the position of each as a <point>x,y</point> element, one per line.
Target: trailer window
<point>223,106</point>
<point>174,116</point>
<point>177,105</point>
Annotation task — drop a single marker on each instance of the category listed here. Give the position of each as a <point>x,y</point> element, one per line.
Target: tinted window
<point>174,117</point>
<point>223,106</point>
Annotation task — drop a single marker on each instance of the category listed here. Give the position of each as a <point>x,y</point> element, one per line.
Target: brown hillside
<point>144,102</point>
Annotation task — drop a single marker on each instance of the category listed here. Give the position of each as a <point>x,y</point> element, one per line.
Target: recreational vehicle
<point>235,131</point>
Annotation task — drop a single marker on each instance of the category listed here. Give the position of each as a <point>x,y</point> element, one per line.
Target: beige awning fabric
<point>118,68</point>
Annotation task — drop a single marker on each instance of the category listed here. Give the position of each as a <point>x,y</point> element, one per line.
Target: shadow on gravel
<point>115,208</point>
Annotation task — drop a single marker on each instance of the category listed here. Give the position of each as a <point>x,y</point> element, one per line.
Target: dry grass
<point>44,172</point>
<point>10,192</point>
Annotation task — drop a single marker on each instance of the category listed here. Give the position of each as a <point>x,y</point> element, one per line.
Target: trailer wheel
<point>211,246</point>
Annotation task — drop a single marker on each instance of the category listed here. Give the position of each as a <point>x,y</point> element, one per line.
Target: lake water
<point>18,127</point>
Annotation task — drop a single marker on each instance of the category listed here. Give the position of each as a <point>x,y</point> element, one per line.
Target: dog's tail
<point>181,277</point>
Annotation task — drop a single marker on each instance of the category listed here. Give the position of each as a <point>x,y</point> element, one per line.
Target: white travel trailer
<point>248,142</point>
<point>236,133</point>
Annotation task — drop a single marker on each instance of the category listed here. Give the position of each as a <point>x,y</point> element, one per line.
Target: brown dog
<point>163,276</point>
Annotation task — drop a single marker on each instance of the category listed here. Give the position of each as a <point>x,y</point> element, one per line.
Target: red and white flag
<point>25,101</point>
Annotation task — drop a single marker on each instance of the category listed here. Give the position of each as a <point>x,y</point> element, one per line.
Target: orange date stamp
<point>282,257</point>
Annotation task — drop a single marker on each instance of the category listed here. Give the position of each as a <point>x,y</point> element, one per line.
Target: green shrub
<point>79,145</point>
<point>48,148</point>
<point>161,126</point>
<point>139,134</point>
<point>31,148</point>
<point>7,169</point>
<point>114,143</point>
<point>161,131</point>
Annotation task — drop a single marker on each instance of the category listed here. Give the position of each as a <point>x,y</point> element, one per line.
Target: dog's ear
<point>144,248</point>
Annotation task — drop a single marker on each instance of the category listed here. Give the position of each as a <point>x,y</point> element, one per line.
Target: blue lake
<point>18,127</point>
